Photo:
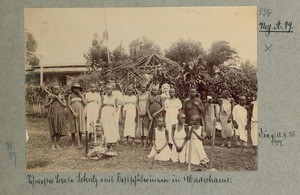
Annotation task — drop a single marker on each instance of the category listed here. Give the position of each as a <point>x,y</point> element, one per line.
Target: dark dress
<point>191,109</point>
<point>56,118</point>
<point>78,124</point>
<point>155,104</point>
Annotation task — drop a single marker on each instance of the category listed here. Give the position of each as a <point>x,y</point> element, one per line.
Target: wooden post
<point>41,72</point>
<point>212,147</point>
<point>213,142</point>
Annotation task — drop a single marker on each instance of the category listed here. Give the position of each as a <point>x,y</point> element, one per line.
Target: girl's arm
<point>186,129</point>
<point>163,147</point>
<point>249,116</point>
<point>100,109</point>
<point>201,107</point>
<point>148,111</point>
<point>173,132</point>
<point>137,105</point>
<point>117,104</point>
<point>49,101</point>
<point>198,136</point>
<point>69,105</point>
<point>62,101</point>
<point>83,98</point>
<point>161,109</point>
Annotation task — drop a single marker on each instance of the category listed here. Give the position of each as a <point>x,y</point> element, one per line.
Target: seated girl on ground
<point>160,150</point>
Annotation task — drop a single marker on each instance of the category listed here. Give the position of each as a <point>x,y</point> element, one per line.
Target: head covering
<point>76,85</point>
<point>130,87</point>
<point>242,97</point>
<point>209,98</point>
<point>155,86</point>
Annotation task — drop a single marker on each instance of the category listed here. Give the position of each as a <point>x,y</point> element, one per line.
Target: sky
<point>65,34</point>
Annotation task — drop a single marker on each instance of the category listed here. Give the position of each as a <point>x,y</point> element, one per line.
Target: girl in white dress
<point>172,107</point>
<point>197,154</point>
<point>108,109</point>
<point>160,150</point>
<point>129,114</point>
<point>179,135</point>
<point>93,99</point>
<point>239,114</point>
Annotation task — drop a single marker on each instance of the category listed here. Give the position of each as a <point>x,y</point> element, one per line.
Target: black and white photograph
<point>158,89</point>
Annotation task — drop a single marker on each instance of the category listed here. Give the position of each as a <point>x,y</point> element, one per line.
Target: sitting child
<point>160,150</point>
<point>197,154</point>
<point>179,137</point>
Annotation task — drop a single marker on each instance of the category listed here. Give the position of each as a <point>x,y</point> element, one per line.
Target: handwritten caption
<point>276,138</point>
<point>11,152</point>
<point>279,26</point>
<point>96,181</point>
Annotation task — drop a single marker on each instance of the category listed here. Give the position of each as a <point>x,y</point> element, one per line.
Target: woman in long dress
<point>210,117</point>
<point>172,107</point>
<point>225,118</point>
<point>109,107</point>
<point>93,99</point>
<point>119,95</point>
<point>129,114</point>
<point>56,117</point>
<point>142,124</point>
<point>239,114</point>
<point>160,150</point>
<point>76,102</point>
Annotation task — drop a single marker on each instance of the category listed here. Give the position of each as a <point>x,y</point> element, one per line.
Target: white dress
<point>92,109</point>
<point>160,140</point>
<point>254,124</point>
<point>179,137</point>
<point>130,114</point>
<point>108,119</point>
<point>198,154</point>
<point>239,114</point>
<point>117,94</point>
<point>171,106</point>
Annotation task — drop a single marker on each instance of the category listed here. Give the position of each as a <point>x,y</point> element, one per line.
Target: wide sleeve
<point>234,113</point>
<point>166,104</point>
<point>179,104</point>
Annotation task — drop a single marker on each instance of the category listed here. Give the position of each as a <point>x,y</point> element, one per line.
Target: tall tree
<point>219,53</point>
<point>185,51</point>
<point>31,47</point>
<point>96,57</point>
<point>141,47</point>
<point>119,54</point>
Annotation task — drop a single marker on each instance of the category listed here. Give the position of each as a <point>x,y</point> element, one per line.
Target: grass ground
<point>129,158</point>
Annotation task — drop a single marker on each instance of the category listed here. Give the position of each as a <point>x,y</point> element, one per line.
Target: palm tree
<point>219,53</point>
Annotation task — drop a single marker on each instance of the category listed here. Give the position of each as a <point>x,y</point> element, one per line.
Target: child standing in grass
<point>160,150</point>
<point>56,116</point>
<point>142,124</point>
<point>197,154</point>
<point>179,133</point>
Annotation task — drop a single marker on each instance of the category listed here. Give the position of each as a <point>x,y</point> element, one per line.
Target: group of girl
<point>162,121</point>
